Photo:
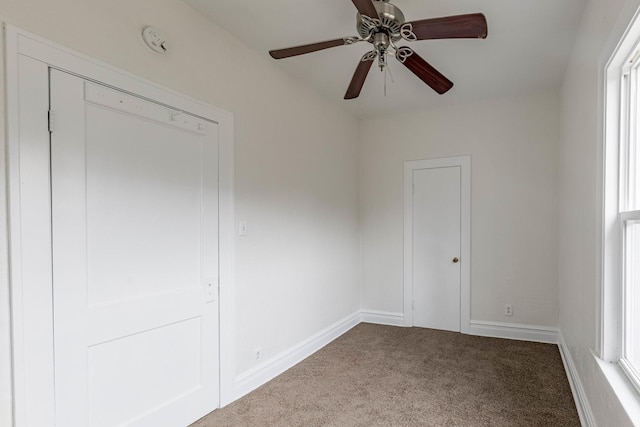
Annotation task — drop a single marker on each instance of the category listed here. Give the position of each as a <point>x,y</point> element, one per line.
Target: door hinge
<point>52,120</point>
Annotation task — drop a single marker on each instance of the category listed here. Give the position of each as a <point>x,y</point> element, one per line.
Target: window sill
<point>621,386</point>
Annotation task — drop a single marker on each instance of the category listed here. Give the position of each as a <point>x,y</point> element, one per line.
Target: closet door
<point>135,259</point>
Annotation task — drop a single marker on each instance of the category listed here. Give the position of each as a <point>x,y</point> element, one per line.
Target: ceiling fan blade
<point>423,70</point>
<point>308,48</point>
<point>366,7</point>
<point>360,76</point>
<point>470,26</point>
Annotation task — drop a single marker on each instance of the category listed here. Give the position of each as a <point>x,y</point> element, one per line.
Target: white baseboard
<point>271,368</point>
<point>579,395</point>
<point>382,318</point>
<point>514,331</point>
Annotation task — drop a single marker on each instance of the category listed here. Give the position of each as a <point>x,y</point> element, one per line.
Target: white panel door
<point>135,256</point>
<point>436,248</point>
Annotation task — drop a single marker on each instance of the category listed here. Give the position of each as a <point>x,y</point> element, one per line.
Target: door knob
<point>455,260</point>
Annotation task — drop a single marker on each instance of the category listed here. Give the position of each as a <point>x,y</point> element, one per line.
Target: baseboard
<point>271,368</point>
<point>514,331</point>
<point>382,318</point>
<point>579,395</point>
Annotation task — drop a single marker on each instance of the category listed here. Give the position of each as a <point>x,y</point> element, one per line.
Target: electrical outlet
<point>258,352</point>
<point>508,310</point>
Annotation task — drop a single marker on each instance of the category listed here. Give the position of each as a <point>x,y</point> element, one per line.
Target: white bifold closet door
<point>135,259</point>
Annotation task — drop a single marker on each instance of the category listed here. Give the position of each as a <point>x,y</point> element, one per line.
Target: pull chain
<point>387,70</point>
<point>385,81</point>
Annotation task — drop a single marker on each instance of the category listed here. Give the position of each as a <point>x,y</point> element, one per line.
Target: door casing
<point>28,59</point>
<point>464,162</point>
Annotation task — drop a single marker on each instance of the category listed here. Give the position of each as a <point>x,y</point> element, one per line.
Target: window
<point>628,216</point>
<point>620,268</point>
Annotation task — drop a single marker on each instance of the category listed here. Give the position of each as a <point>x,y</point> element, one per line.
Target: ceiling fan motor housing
<point>391,19</point>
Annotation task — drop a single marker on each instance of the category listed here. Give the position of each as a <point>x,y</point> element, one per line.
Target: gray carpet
<point>387,376</point>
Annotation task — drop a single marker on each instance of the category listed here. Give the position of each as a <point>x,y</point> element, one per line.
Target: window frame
<point>621,128</point>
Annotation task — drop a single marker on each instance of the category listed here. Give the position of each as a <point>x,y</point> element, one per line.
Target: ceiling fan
<point>383,24</point>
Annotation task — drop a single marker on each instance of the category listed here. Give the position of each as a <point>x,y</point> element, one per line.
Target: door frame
<point>29,212</point>
<point>464,162</point>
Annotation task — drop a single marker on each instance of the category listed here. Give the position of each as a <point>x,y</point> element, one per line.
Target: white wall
<point>296,180</point>
<point>579,206</point>
<point>513,147</point>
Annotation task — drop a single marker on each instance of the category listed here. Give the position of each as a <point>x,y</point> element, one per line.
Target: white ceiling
<point>526,49</point>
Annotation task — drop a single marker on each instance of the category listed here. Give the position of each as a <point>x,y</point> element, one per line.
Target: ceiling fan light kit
<point>383,25</point>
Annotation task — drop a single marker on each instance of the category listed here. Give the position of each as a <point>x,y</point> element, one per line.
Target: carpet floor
<point>388,376</point>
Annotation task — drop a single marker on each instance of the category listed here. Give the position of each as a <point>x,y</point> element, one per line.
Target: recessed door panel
<point>136,375</point>
<point>143,188</point>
